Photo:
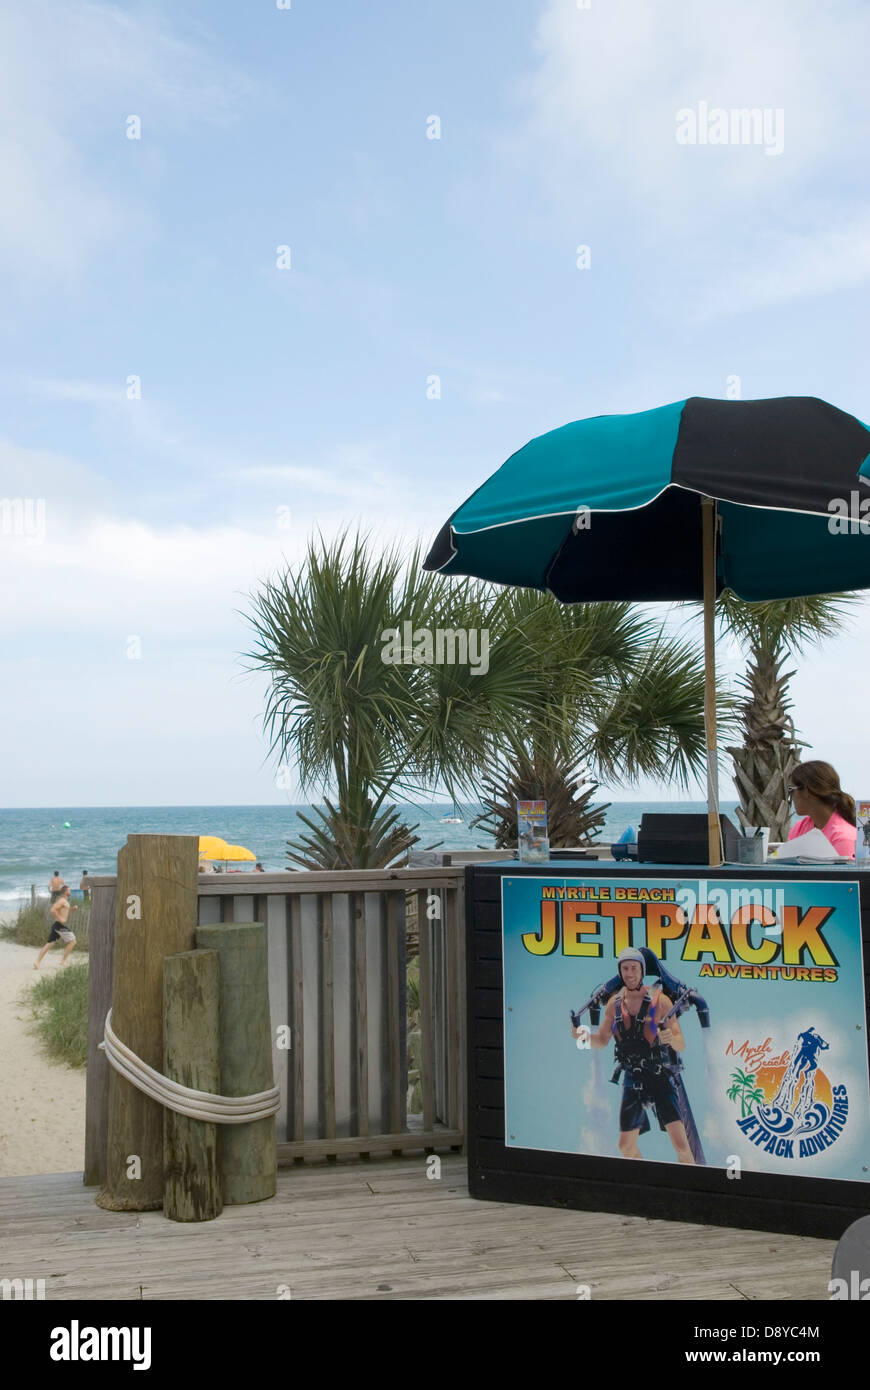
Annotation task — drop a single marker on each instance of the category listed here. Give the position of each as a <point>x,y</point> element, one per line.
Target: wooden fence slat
<point>453,1026</point>
<point>271,914</point>
<point>297,999</point>
<point>395,1024</point>
<point>208,910</point>
<point>327,1013</point>
<point>330,881</point>
<point>441,1064</point>
<point>381,1143</point>
<point>357,906</point>
<point>461,1015</point>
<point>427,1050</point>
<point>243,906</point>
<point>313,969</point>
<point>101,962</point>
<point>318,880</point>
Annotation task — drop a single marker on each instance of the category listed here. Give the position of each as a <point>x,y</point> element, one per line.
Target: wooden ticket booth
<point>763,970</point>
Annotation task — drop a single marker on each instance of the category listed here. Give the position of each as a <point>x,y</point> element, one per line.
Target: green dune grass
<point>60,1008</point>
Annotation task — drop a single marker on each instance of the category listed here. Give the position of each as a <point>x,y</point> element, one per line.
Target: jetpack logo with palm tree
<point>791,1109</point>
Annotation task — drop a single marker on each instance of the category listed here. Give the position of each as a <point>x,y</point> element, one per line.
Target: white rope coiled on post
<point>196,1105</point>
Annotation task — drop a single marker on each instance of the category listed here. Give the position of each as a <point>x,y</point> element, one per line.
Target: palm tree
<point>745,1090</point>
<point>572,816</point>
<point>616,699</point>
<point>368,727</point>
<point>771,633</point>
<point>562,685</point>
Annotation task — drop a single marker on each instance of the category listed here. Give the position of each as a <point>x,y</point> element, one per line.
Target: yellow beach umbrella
<point>212,847</point>
<point>238,853</point>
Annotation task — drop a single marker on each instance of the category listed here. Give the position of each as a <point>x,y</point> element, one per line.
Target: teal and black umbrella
<point>768,498</point>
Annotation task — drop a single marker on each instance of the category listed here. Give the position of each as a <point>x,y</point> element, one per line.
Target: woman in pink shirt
<point>821,804</point>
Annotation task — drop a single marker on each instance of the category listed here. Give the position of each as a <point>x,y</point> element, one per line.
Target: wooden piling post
<point>249,1160</point>
<point>191,1056</point>
<point>101,939</point>
<point>155,916</point>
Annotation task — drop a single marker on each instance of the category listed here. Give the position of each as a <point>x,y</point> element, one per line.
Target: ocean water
<point>35,842</point>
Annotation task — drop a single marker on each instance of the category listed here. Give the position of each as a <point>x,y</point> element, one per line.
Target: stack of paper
<point>812,848</point>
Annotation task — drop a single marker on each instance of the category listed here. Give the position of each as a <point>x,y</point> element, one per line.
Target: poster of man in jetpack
<point>643,1024</point>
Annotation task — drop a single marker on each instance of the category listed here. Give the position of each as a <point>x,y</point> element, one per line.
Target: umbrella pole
<point>708,517</point>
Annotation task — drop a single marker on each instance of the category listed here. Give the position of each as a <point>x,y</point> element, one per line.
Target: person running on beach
<point>56,886</point>
<point>60,911</point>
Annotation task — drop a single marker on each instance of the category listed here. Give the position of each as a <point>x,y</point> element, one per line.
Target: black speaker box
<point>681,839</point>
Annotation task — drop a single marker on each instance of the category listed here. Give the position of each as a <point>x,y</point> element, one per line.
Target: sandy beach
<point>42,1103</point>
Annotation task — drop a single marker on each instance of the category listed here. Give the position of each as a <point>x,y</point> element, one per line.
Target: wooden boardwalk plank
<point>384,1231</point>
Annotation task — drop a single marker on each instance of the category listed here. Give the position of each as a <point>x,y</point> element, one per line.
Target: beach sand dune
<point>42,1103</point>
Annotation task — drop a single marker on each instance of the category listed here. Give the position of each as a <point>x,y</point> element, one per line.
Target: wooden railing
<point>338,1004</point>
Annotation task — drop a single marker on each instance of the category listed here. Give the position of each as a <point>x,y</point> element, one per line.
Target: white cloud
<point>116,575</point>
<point>142,730</point>
<point>186,78</point>
<point>612,79</point>
<point>355,472</point>
<point>601,129</point>
<point>79,392</point>
<point>102,568</point>
<point>133,421</point>
<point>112,574</point>
<point>359,473</point>
<point>67,487</point>
<point>69,75</point>
<point>791,266</point>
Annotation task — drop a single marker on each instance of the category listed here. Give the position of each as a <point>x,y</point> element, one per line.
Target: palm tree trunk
<point>762,776</point>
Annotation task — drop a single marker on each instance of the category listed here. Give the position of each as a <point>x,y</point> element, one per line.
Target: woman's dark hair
<point>821,780</point>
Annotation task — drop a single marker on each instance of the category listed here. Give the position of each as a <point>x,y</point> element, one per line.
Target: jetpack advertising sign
<point>717,1022</point>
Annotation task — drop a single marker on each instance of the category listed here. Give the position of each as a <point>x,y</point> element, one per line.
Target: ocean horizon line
<point>291,805</point>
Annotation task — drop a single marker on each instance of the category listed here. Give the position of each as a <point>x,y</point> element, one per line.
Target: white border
<point>654,881</point>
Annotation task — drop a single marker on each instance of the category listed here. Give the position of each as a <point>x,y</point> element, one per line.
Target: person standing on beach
<point>60,911</point>
<point>84,885</point>
<point>56,886</point>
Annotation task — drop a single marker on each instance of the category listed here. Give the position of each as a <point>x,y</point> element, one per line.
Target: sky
<point>233,258</point>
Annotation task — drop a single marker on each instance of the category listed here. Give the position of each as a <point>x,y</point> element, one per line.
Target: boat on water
<point>455,819</point>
